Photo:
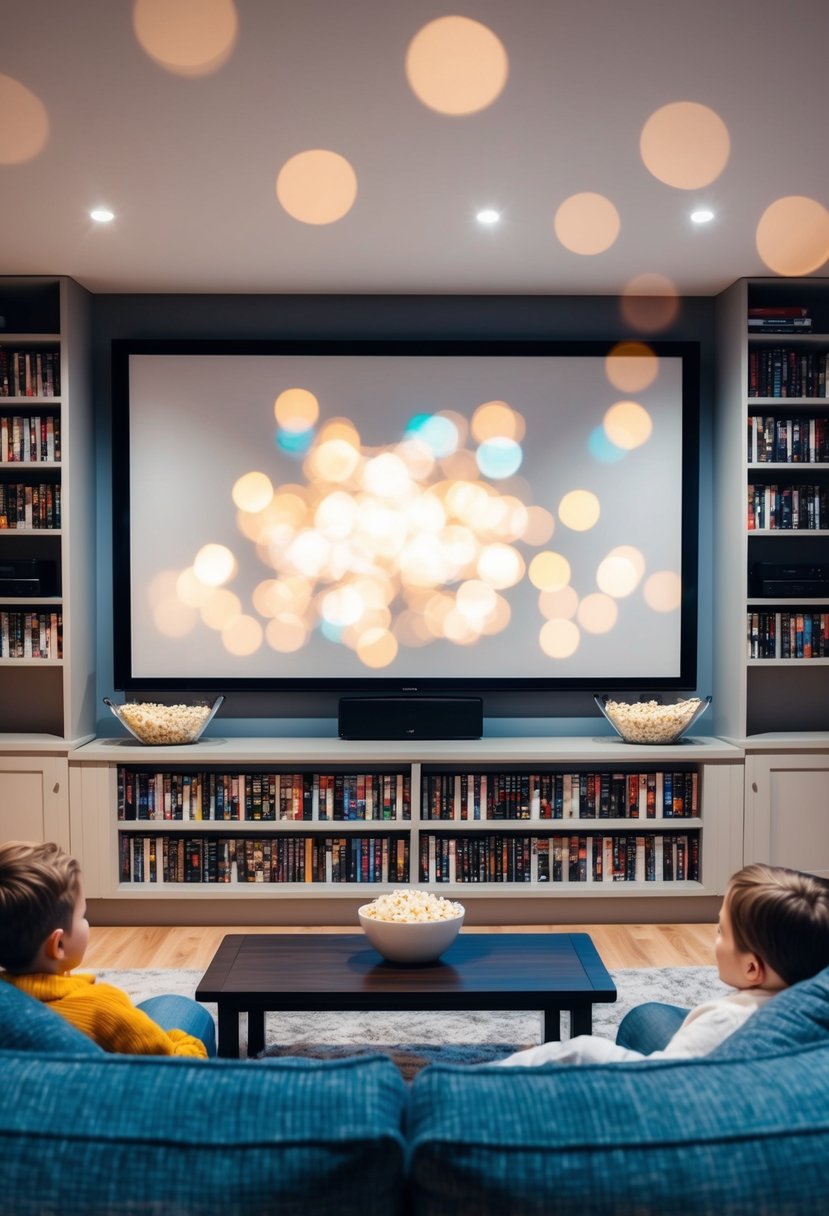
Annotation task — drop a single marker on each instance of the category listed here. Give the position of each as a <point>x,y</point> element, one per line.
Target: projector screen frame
<point>370,684</point>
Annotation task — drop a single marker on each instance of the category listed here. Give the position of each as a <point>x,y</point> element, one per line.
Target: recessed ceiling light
<point>488,216</point>
<point>101,215</point>
<point>702,216</point>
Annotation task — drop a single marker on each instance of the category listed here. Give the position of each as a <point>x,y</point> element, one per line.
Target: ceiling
<point>188,161</point>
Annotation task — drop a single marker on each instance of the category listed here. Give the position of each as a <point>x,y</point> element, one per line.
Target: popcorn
<point>164,724</point>
<point>650,721</point>
<point>409,906</point>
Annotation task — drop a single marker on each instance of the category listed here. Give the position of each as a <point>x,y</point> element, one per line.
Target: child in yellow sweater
<point>43,938</point>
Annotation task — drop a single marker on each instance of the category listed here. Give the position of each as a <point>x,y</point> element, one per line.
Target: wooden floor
<point>194,947</point>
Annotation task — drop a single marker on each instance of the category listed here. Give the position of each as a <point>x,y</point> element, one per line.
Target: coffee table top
<point>342,971</point>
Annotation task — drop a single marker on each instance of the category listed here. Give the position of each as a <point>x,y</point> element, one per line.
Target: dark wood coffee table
<point>254,973</point>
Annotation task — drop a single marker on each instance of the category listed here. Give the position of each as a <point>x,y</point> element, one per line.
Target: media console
<point>522,820</point>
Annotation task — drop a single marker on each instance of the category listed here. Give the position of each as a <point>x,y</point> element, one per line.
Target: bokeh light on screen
<point>317,186</point>
<point>377,648</point>
<point>476,599</point>
<point>191,590</point>
<point>587,223</point>
<point>243,636</point>
<point>601,449</point>
<point>628,425</point>
<point>437,431</point>
<point>632,366</point>
<point>173,618</point>
<point>793,235</point>
<point>296,410</point>
<point>561,604</point>
<point>221,610</point>
<point>252,492</point>
<point>187,37</point>
<point>501,566</point>
<point>286,634</point>
<point>273,596</point>
<point>333,460</point>
<point>342,606</point>
<point>419,539</point>
<point>24,122</point>
<point>579,510</point>
<point>386,476</point>
<point>499,458</point>
<point>618,574</point>
<point>597,613</point>
<point>456,66</point>
<point>540,526</point>
<point>663,591</point>
<point>549,571</point>
<point>214,565</point>
<point>685,144</point>
<point>335,515</point>
<point>497,420</point>
<point>294,443</point>
<point>559,638</point>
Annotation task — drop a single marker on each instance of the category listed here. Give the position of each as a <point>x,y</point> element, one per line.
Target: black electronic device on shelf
<point>773,579</point>
<point>26,577</point>
<point>411,718</point>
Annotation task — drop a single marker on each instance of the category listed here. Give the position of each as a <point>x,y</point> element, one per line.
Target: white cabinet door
<point>34,798</point>
<point>787,810</point>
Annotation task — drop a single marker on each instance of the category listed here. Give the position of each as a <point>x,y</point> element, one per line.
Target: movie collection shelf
<point>47,508</point>
<point>772,518</point>
<point>210,820</point>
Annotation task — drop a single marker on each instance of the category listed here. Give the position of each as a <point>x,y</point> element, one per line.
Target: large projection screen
<point>332,515</point>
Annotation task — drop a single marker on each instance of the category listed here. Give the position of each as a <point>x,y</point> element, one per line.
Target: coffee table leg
<point>552,1024</point>
<point>581,1021</point>
<point>228,1046</point>
<point>256,1031</point>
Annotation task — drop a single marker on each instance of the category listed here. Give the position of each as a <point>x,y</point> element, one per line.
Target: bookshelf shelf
<point>9,662</point>
<point>51,333</point>
<point>781,695</point>
<point>104,785</point>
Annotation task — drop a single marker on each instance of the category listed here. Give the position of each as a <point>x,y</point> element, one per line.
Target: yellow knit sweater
<point>106,1014</point>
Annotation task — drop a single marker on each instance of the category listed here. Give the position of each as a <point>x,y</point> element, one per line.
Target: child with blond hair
<point>43,937</point>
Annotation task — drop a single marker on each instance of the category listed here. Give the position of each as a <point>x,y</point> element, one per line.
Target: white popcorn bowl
<point>421,941</point>
<point>161,729</point>
<point>657,725</point>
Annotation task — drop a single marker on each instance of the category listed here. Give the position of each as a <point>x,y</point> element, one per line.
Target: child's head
<point>774,927</point>
<point>41,906</point>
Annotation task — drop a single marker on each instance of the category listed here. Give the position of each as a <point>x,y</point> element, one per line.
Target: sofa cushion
<point>691,1137</point>
<point>145,1135</point>
<point>795,1017</point>
<point>27,1024</point>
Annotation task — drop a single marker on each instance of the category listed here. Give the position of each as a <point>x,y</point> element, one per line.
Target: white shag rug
<point>686,986</point>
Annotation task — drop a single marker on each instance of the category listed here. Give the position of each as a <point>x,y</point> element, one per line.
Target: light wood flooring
<point>194,947</point>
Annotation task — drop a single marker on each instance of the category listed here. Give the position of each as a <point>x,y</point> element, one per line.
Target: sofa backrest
<point>796,1017</point>
<point>693,1137</point>
<point>26,1024</point>
<point>94,1137</point>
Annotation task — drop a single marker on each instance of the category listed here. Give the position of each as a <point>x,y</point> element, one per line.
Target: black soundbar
<point>411,718</point>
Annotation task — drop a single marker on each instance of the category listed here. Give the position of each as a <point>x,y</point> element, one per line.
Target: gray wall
<point>377,317</point>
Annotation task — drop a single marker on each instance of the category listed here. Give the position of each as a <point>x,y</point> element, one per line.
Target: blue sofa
<point>744,1132</point>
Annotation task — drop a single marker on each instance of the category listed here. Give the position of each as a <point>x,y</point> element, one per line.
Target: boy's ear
<point>755,970</point>
<point>53,946</point>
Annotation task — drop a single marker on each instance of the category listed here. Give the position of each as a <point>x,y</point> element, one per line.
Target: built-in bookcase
<point>275,818</point>
<point>47,501</point>
<point>772,518</point>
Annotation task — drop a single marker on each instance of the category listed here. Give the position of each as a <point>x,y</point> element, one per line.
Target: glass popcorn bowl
<point>652,722</point>
<point>406,939</point>
<point>158,725</point>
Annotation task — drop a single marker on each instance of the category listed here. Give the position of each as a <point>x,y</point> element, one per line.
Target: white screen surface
<point>414,517</point>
